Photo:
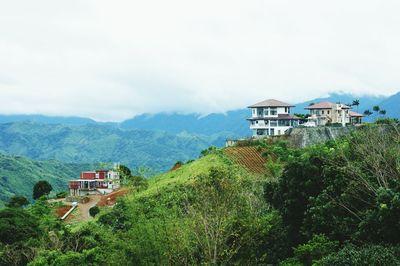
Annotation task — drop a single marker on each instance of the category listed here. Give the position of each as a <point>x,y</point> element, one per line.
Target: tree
<point>376,108</point>
<point>367,112</point>
<point>41,188</point>
<point>17,225</point>
<point>17,202</point>
<point>356,103</point>
<point>94,211</point>
<point>220,201</point>
<point>368,255</point>
<point>124,171</point>
<point>382,112</point>
<point>315,249</point>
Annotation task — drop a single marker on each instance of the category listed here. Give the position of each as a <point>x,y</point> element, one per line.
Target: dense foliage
<point>330,204</point>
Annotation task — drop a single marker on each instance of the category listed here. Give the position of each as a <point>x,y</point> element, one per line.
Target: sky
<point>112,60</point>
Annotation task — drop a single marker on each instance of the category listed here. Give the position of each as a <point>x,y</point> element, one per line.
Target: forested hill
<point>100,143</point>
<point>334,203</point>
<point>19,174</point>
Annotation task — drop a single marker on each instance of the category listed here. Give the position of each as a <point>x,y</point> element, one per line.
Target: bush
<point>369,255</point>
<point>94,211</point>
<point>315,249</point>
<point>17,202</point>
<point>17,225</point>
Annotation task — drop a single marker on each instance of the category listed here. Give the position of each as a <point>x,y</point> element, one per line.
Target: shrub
<point>94,211</point>
<point>369,255</point>
<point>17,202</point>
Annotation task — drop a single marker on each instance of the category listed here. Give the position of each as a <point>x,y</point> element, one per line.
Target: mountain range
<point>100,143</point>
<point>56,148</point>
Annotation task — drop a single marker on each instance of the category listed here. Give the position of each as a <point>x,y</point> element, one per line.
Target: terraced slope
<point>248,157</point>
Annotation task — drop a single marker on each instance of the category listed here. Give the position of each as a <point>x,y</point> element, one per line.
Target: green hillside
<point>100,143</point>
<point>19,174</point>
<point>334,203</point>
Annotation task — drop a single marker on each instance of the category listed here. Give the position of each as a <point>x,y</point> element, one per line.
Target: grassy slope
<point>18,175</point>
<point>186,174</point>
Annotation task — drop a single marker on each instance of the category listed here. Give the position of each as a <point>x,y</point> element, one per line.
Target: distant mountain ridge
<point>392,106</point>
<point>100,143</point>
<point>66,120</point>
<point>231,124</point>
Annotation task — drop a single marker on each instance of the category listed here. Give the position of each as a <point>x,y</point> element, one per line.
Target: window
<point>286,109</point>
<point>266,111</point>
<point>322,111</point>
<point>272,131</point>
<point>273,111</point>
<point>284,123</point>
<point>317,112</point>
<point>273,123</point>
<point>260,132</point>
<point>329,112</point>
<point>260,111</point>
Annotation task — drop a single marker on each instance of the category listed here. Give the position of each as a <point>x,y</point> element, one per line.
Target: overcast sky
<point>111,60</point>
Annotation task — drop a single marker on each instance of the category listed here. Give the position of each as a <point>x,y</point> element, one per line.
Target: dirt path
<point>81,213</point>
<point>84,208</point>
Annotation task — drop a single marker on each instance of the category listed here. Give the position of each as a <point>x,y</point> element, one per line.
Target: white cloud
<point>110,60</point>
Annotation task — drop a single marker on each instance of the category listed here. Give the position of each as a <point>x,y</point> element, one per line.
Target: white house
<point>94,182</point>
<point>271,118</point>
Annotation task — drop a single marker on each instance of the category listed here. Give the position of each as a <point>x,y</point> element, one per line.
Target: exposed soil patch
<point>60,211</point>
<point>176,166</point>
<point>110,199</point>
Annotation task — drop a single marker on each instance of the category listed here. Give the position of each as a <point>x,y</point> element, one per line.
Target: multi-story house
<point>94,182</point>
<point>324,113</point>
<point>271,118</point>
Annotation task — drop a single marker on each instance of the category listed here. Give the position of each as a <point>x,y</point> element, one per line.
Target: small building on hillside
<point>94,182</point>
<point>324,113</point>
<point>271,118</point>
<point>355,118</point>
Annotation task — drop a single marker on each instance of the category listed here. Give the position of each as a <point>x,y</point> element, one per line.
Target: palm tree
<point>367,112</point>
<point>376,108</point>
<point>356,102</point>
<point>382,112</point>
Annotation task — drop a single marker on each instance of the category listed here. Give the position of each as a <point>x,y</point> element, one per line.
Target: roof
<point>279,117</point>
<point>355,114</point>
<point>321,105</point>
<point>271,103</point>
<point>287,116</point>
<point>325,105</point>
